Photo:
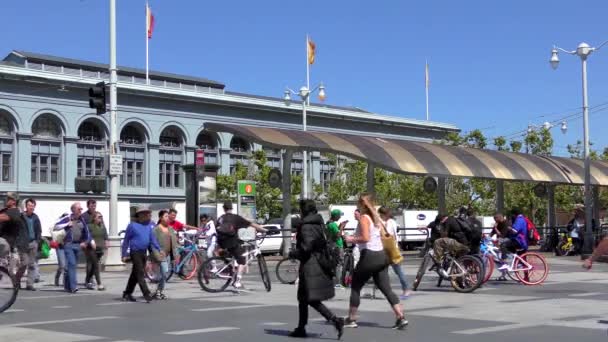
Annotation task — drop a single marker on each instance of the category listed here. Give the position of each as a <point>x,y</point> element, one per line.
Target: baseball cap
<point>336,212</point>
<point>142,209</point>
<point>228,205</point>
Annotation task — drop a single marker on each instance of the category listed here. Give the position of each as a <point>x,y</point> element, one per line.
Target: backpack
<point>473,233</point>
<point>225,229</point>
<point>533,235</point>
<point>329,255</point>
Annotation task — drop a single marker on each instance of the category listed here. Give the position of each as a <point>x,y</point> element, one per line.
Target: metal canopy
<point>426,158</point>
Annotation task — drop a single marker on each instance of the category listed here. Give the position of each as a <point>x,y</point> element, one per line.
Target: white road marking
<point>60,321</point>
<point>24,334</point>
<point>52,297</point>
<point>61,307</point>
<point>113,303</point>
<point>589,294</point>
<point>274,324</point>
<point>200,331</point>
<point>223,308</point>
<point>13,310</point>
<point>503,327</point>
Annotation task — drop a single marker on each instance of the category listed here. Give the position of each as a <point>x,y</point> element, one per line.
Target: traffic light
<point>97,96</point>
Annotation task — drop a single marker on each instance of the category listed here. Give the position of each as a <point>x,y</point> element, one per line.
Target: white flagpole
<point>304,105</point>
<point>426,86</point>
<point>147,59</point>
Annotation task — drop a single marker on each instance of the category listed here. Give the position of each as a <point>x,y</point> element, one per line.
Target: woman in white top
<point>391,228</point>
<point>373,262</point>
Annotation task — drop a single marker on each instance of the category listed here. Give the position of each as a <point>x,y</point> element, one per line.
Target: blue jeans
<point>71,256</point>
<point>164,270</point>
<point>401,275</point>
<point>60,265</point>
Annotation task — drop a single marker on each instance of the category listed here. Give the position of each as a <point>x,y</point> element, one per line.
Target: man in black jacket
<point>14,230</point>
<point>452,240</point>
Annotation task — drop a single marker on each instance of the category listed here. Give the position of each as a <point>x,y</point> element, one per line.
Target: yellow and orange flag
<point>149,21</point>
<point>311,51</point>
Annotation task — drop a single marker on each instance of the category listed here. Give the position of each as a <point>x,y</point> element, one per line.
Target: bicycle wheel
<point>421,271</point>
<point>152,270</point>
<point>189,267</point>
<point>287,270</point>
<point>215,274</point>
<point>466,274</point>
<point>8,289</point>
<point>538,273</point>
<point>488,268</point>
<point>347,270</point>
<point>264,272</point>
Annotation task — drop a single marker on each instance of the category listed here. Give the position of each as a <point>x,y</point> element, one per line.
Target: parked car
<point>273,241</point>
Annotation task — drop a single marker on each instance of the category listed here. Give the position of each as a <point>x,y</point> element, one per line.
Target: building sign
<point>246,199</point>
<point>115,165</point>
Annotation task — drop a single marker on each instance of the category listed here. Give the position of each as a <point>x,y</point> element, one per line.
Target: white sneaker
<point>443,273</point>
<point>214,270</point>
<point>504,267</point>
<point>237,284</point>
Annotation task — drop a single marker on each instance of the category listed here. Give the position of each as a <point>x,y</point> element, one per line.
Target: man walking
<point>336,231</point>
<point>87,216</point>
<point>175,224</point>
<point>139,237</point>
<point>34,234</point>
<point>77,237</point>
<point>14,231</point>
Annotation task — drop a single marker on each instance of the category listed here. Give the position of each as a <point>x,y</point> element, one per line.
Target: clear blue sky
<point>488,60</point>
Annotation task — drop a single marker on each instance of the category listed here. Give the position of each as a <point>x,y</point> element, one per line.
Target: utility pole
<point>114,257</point>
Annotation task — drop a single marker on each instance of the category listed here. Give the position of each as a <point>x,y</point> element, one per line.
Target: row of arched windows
<point>47,147</point>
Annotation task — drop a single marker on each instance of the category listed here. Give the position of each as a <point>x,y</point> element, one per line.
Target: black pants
<point>320,307</point>
<point>93,257</point>
<point>137,274</point>
<point>372,265</point>
<point>509,246</point>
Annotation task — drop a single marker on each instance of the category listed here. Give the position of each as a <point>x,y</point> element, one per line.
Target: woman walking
<point>373,262</point>
<point>94,252</point>
<point>167,238</point>
<point>391,228</point>
<point>316,284</point>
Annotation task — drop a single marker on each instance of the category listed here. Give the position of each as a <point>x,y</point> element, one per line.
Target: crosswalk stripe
<point>61,307</point>
<point>200,331</point>
<point>238,307</point>
<point>60,321</point>
<point>494,329</point>
<point>589,294</point>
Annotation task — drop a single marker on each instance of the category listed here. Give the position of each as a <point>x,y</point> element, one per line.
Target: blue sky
<point>488,60</point>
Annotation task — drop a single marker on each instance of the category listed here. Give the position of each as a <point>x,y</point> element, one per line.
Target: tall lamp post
<point>304,94</point>
<point>583,51</point>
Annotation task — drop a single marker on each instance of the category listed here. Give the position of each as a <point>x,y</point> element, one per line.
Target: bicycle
<point>218,272</point>
<point>565,246</point>
<point>287,270</point>
<point>465,273</point>
<point>185,266</point>
<point>490,257</point>
<point>9,286</point>
<point>348,267</point>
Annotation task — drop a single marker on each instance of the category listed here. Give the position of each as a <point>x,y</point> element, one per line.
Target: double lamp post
<point>583,51</point>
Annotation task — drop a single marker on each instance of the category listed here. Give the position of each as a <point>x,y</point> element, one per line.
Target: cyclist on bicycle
<point>452,239</point>
<point>517,238</point>
<point>227,233</point>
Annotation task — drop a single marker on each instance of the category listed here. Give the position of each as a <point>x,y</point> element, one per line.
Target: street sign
<point>246,199</point>
<point>199,162</point>
<point>115,165</point>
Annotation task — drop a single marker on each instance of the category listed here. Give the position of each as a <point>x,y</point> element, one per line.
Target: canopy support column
<point>500,196</point>
<point>371,182</point>
<point>552,220</point>
<point>286,191</point>
<point>441,195</point>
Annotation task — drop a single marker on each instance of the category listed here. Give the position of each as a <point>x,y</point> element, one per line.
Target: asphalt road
<point>567,307</point>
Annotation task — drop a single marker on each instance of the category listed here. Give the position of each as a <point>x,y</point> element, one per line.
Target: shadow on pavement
<point>285,333</point>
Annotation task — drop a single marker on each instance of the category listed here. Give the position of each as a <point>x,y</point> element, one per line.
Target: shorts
<point>237,253</point>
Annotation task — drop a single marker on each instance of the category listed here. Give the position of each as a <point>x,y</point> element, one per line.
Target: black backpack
<point>473,233</point>
<point>329,255</point>
<point>225,229</point>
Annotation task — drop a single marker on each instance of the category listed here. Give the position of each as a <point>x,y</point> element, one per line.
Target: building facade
<point>49,135</point>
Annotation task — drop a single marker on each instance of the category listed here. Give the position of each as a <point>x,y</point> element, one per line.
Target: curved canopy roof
<point>422,158</point>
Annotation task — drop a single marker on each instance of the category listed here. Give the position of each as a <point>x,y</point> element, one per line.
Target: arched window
<point>91,149</point>
<point>7,140</point>
<point>239,153</point>
<point>46,150</point>
<point>133,150</point>
<point>208,142</point>
<point>171,156</point>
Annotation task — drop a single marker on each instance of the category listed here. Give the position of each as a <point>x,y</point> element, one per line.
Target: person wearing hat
<point>227,237</point>
<point>335,233</point>
<point>139,238</point>
<point>576,228</point>
<point>13,230</point>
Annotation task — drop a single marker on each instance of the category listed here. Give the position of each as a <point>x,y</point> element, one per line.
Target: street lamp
<point>304,94</point>
<point>583,51</point>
